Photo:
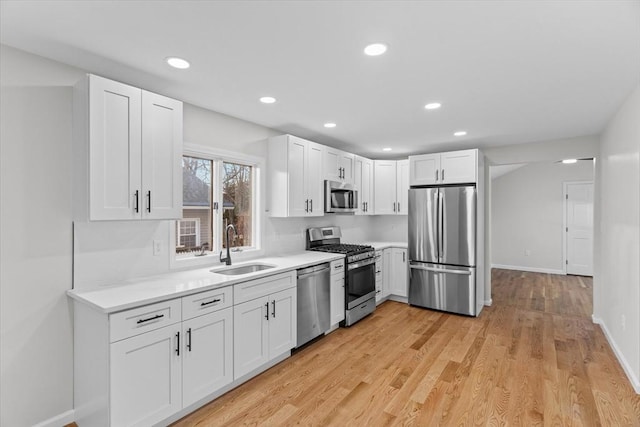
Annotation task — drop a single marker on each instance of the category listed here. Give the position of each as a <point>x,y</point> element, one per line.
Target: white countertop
<point>173,285</point>
<point>385,245</point>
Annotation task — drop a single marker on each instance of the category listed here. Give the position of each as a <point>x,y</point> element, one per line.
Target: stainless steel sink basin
<point>242,269</point>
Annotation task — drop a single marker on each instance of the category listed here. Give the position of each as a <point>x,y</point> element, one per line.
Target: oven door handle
<point>359,264</point>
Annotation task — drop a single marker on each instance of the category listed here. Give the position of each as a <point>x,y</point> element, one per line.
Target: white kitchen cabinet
<point>336,292</point>
<point>454,167</point>
<point>207,347</point>
<point>295,177</point>
<point>387,272</point>
<point>391,187</point>
<point>363,180</point>
<point>399,272</point>
<point>128,148</point>
<point>146,385</point>
<point>265,324</point>
<point>379,275</point>
<point>338,165</point>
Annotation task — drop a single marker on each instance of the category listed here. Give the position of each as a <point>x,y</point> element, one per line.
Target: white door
<point>331,164</point>
<point>387,271</point>
<point>402,187</point>
<point>337,298</point>
<point>282,322</point>
<point>146,382</point>
<point>357,181</point>
<point>298,199</point>
<point>347,164</point>
<point>314,181</point>
<point>398,278</point>
<point>367,184</point>
<point>384,187</point>
<point>208,355</point>
<point>250,336</point>
<point>161,157</point>
<point>114,150</point>
<point>458,166</point>
<point>579,229</point>
<point>425,169</point>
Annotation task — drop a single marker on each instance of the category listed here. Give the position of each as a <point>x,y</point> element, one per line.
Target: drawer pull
<point>202,304</point>
<point>178,343</point>
<point>157,316</point>
<point>189,339</point>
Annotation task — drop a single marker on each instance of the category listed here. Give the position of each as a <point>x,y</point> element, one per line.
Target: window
<point>216,192</point>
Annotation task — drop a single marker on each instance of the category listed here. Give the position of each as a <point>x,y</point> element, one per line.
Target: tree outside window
<point>237,196</point>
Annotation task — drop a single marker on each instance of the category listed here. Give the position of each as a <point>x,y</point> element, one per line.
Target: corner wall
<point>617,236</point>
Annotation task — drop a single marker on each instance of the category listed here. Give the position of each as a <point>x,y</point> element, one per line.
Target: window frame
<point>218,156</point>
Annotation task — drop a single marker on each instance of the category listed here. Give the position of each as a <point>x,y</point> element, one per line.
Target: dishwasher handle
<point>312,271</point>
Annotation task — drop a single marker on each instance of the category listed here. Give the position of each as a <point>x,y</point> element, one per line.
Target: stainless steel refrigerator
<point>442,248</point>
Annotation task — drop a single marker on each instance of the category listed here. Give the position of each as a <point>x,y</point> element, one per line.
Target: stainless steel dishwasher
<point>313,302</point>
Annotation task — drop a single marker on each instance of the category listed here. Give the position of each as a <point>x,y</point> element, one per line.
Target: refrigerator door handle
<point>440,225</point>
<point>439,270</point>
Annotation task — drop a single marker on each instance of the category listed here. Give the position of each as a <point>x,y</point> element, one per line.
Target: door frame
<point>565,235</point>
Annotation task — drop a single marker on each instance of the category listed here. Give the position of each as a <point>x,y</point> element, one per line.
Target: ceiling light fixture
<point>179,63</point>
<point>267,100</point>
<point>569,161</point>
<point>386,149</point>
<point>375,49</point>
<point>460,133</point>
<point>329,125</point>
<point>433,106</point>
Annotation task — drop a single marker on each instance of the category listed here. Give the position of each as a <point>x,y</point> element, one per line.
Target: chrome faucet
<point>227,260</point>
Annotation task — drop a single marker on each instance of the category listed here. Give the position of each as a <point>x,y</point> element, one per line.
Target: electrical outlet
<point>623,322</point>
<point>157,247</point>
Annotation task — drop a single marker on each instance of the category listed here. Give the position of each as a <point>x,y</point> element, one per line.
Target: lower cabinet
<point>265,328</point>
<point>336,292</point>
<point>399,269</point>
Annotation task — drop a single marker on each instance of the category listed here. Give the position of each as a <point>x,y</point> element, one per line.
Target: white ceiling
<point>507,72</point>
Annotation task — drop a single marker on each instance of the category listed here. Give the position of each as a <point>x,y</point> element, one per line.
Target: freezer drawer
<point>443,287</point>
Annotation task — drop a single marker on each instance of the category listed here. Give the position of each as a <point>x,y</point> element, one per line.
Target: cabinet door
<point>402,187</point>
<point>331,164</point>
<point>298,158</point>
<point>250,336</point>
<point>387,272</point>
<point>282,322</point>
<point>314,182</point>
<point>161,157</point>
<point>337,298</point>
<point>208,355</point>
<point>347,163</point>
<point>358,181</point>
<point>367,186</point>
<point>385,187</point>
<point>114,150</point>
<point>398,283</point>
<point>459,167</point>
<point>146,382</point>
<point>424,169</point>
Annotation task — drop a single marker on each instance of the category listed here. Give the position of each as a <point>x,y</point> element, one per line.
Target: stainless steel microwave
<point>340,197</point>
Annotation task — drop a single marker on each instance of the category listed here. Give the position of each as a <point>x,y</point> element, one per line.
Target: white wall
<point>617,236</point>
<point>36,320</point>
<point>527,215</point>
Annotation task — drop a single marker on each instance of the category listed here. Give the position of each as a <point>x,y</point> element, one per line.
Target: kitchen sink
<point>242,269</point>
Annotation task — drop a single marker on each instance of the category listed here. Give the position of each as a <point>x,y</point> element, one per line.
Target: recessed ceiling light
<point>433,106</point>
<point>569,161</point>
<point>375,49</point>
<point>179,63</point>
<point>460,133</point>
<point>267,100</point>
<point>329,125</point>
<point>386,149</point>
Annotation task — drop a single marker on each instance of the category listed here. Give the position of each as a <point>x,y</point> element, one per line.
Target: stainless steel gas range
<point>360,273</point>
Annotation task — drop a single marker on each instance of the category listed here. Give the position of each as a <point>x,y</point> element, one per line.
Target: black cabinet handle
<point>178,343</point>
<point>157,316</point>
<point>267,305</point>
<point>189,339</point>
<point>311,205</point>
<point>306,205</point>
<point>137,195</point>
<point>149,201</point>
<point>436,175</point>
<point>398,207</point>
<point>443,174</point>
<point>273,312</point>
<point>202,304</point>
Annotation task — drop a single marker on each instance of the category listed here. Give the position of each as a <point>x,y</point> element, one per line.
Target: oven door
<point>360,282</point>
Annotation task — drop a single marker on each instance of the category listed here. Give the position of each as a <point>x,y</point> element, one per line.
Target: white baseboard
<point>59,420</point>
<point>488,302</point>
<point>530,269</point>
<point>616,350</point>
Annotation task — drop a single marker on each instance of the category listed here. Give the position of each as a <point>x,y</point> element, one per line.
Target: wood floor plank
<point>533,358</point>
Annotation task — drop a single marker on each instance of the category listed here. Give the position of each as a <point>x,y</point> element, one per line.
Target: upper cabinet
<point>338,165</point>
<point>363,180</point>
<point>295,177</point>
<point>455,167</point>
<point>391,187</point>
<point>128,148</point>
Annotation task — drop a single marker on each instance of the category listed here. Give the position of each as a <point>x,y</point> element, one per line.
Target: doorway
<point>578,241</point>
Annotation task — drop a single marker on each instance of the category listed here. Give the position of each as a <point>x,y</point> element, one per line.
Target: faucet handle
<point>221,258</point>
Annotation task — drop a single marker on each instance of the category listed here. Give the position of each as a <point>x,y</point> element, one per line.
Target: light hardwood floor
<point>533,358</point>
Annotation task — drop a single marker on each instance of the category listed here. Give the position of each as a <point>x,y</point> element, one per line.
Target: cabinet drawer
<point>257,288</point>
<point>337,266</point>
<point>206,302</point>
<point>144,319</point>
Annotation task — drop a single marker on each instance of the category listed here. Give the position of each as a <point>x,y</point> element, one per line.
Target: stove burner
<point>342,248</point>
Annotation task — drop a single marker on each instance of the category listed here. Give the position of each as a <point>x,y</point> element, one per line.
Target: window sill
<point>212,259</point>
